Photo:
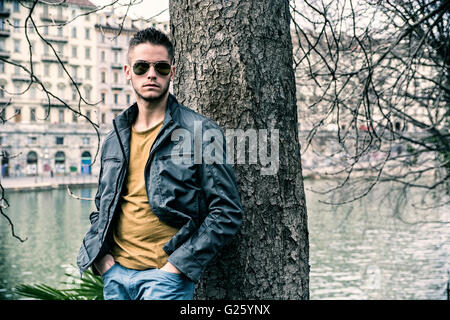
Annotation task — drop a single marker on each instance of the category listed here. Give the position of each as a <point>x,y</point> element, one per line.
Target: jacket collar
<point>126,118</point>
<point>123,122</point>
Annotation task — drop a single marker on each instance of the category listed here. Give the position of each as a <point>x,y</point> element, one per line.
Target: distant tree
<point>374,79</point>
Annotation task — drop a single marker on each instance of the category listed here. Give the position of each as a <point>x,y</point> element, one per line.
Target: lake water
<point>364,250</point>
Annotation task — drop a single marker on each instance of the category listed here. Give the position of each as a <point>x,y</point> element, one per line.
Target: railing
<point>56,19</point>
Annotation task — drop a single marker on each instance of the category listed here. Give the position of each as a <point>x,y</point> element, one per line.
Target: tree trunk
<point>234,65</point>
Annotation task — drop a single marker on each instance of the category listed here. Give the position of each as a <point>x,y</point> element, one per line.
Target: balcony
<point>116,65</point>
<point>20,77</point>
<point>53,103</point>
<point>56,38</point>
<point>78,80</point>
<point>117,86</point>
<point>4,13</point>
<point>5,100</point>
<point>116,47</point>
<point>53,58</point>
<point>54,19</point>
<point>5,33</point>
<point>4,53</point>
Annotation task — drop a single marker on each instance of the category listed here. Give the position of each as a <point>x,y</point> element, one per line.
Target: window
<point>60,49</point>
<point>16,24</point>
<point>116,77</point>
<point>128,99</point>
<point>103,117</point>
<point>16,7</point>
<point>116,98</point>
<point>88,72</point>
<point>103,56</point>
<point>74,72</point>
<point>103,97</point>
<point>102,38</point>
<point>30,28</point>
<point>74,52</point>
<point>116,56</point>
<point>103,74</point>
<point>88,93</point>
<point>32,114</point>
<point>86,140</point>
<point>2,67</point>
<point>16,45</point>
<point>46,69</point>
<point>61,116</point>
<point>74,117</point>
<point>33,47</point>
<point>60,71</point>
<point>74,32</point>
<point>61,92</point>
<point>32,140</point>
<point>87,33</point>
<point>74,94</point>
<point>32,92</point>
<point>46,30</point>
<point>60,32</point>
<point>88,53</point>
<point>59,140</point>
<point>88,114</point>
<point>17,115</point>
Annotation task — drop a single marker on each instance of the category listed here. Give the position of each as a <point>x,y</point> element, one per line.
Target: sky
<point>145,8</point>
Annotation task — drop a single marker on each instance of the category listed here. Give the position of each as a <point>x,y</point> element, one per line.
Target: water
<point>379,247</point>
<point>54,224</point>
<point>363,250</point>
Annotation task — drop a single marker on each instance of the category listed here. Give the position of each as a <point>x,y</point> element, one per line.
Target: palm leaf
<point>90,287</point>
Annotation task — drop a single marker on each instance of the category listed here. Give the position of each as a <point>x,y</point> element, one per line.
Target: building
<point>76,73</point>
<point>113,33</point>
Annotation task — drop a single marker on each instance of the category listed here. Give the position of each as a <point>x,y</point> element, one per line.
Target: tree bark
<point>234,65</point>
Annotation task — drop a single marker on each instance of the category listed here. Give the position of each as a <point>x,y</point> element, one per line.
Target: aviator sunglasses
<point>141,67</point>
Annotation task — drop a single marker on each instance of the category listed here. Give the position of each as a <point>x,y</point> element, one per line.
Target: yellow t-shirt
<point>139,235</point>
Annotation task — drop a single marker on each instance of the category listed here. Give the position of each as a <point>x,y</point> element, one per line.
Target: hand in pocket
<point>104,264</point>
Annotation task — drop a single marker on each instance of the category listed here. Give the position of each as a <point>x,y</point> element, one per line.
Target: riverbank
<point>47,183</point>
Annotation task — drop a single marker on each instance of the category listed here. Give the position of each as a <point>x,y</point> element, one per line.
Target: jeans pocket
<point>104,274</point>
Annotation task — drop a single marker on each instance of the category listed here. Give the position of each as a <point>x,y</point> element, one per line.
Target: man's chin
<point>153,97</point>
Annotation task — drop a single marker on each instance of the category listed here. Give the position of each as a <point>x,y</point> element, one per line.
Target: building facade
<point>61,77</point>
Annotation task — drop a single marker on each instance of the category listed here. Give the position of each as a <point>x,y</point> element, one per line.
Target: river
<point>376,248</point>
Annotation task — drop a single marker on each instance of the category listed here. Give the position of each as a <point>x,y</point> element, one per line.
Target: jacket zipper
<point>150,157</point>
<point>118,179</point>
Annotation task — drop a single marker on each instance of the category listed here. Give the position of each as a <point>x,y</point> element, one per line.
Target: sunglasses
<point>141,67</point>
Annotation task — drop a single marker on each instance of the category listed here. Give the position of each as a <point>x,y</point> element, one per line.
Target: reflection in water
<point>54,224</point>
<point>357,251</point>
<point>379,247</point>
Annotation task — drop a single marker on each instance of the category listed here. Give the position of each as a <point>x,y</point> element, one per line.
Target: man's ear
<point>127,71</point>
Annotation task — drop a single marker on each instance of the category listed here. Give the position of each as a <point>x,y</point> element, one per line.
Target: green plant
<point>89,287</point>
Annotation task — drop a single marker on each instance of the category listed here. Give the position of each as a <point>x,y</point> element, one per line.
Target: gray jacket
<point>199,199</point>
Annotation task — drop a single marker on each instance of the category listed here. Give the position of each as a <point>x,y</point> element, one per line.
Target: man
<point>158,222</point>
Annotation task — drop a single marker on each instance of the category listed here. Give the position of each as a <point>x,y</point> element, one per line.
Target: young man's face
<point>151,86</point>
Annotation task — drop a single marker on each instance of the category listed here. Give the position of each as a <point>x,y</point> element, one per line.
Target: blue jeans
<point>121,283</point>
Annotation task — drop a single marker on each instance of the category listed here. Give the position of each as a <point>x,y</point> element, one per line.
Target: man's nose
<point>151,73</point>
